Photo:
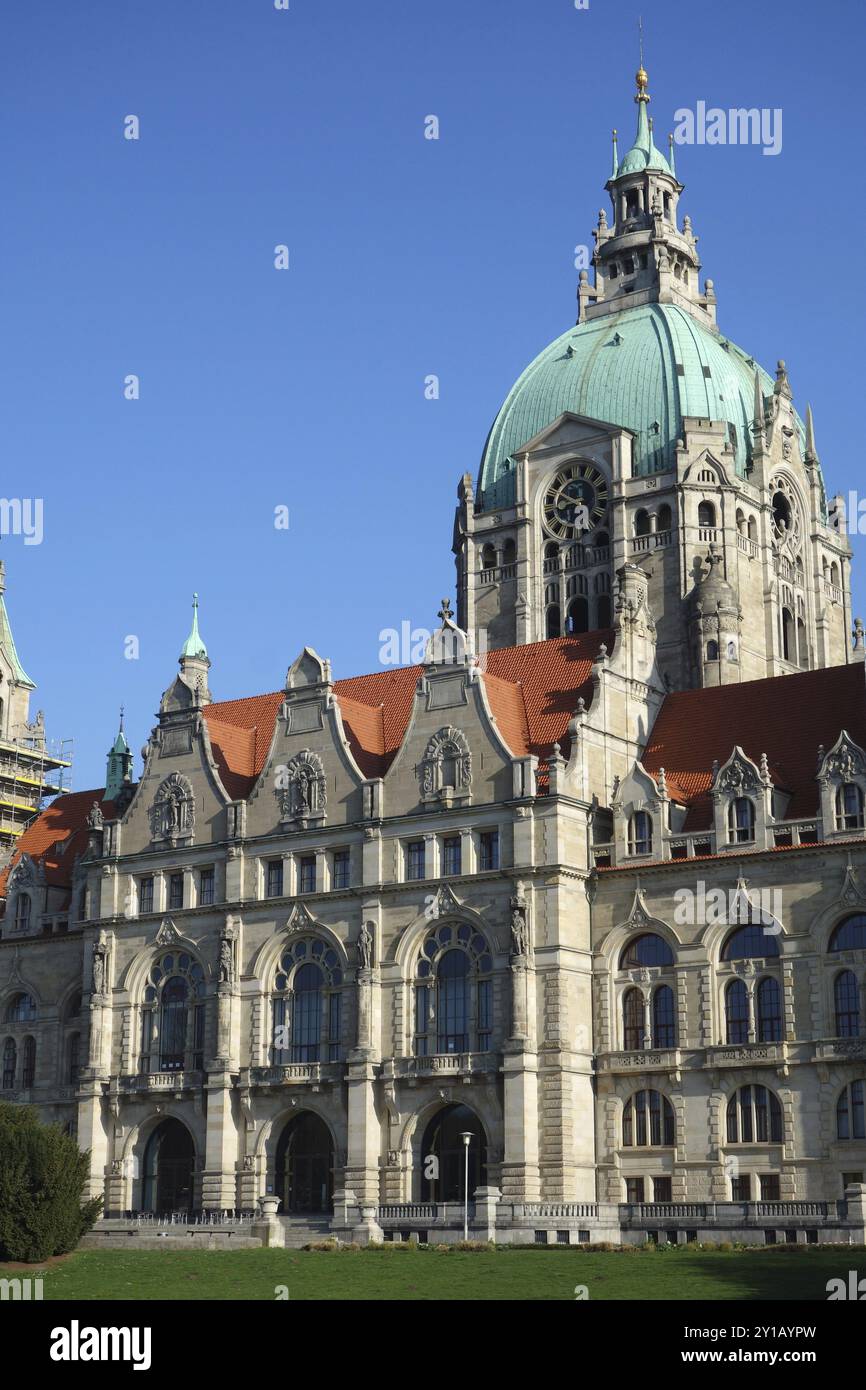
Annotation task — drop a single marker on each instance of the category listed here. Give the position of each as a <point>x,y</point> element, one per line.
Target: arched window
<point>488,557</point>
<point>453,992</point>
<point>553,621</point>
<point>633,1035</point>
<point>551,551</point>
<point>73,1053</point>
<point>769,1011</point>
<point>172,1017</point>
<point>509,553</point>
<point>578,616</point>
<point>849,935</point>
<point>849,1112</point>
<point>754,1117</point>
<point>640,833</point>
<point>712,650</point>
<point>752,942</point>
<point>10,1059</point>
<point>752,529</point>
<point>22,912</point>
<point>648,1119</point>
<point>665,518</point>
<point>788,647</point>
<point>22,1009</point>
<point>647,949</point>
<point>741,821</point>
<point>736,1013</point>
<point>28,1063</point>
<point>846,997</point>
<point>307,1004</point>
<point>849,807</point>
<point>664,1018</point>
<point>641,522</point>
<point>706,515</point>
<point>741,521</point>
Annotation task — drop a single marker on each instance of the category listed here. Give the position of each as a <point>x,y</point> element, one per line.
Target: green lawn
<point>422,1274</point>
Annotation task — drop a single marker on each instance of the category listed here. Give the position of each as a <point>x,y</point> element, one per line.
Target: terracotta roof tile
<point>63,822</point>
<point>786,717</point>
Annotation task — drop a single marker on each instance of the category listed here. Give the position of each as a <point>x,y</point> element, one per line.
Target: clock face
<point>576,501</point>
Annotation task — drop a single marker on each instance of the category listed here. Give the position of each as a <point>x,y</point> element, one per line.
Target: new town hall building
<point>580,917</point>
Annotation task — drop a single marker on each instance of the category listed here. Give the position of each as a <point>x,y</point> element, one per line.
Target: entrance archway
<point>169,1160</point>
<point>443,1142</point>
<point>305,1165</point>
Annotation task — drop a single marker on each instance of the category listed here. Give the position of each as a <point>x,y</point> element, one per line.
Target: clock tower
<point>643,436</point>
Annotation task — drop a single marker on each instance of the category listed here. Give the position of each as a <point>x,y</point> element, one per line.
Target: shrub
<point>42,1178</point>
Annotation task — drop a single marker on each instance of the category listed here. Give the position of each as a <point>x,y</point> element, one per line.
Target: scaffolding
<point>32,769</point>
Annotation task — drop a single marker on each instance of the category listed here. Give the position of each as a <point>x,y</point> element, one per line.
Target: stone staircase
<point>304,1230</point>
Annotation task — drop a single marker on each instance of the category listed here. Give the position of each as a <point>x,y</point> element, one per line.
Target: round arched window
<point>453,992</point>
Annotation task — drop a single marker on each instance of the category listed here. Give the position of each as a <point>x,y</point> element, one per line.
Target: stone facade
<point>554,925</point>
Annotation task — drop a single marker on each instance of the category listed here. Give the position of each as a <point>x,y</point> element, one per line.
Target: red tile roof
<point>532,690</point>
<point>64,823</point>
<point>786,717</point>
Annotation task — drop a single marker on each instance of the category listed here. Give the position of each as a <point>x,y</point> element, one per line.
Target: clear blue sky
<point>408,257</point>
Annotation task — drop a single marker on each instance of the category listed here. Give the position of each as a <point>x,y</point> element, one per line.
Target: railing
<point>748,546</point>
<point>653,540</point>
<point>409,1211</point>
<point>650,1059</point>
<point>488,576</point>
<point>508,571</point>
<point>583,1211</point>
<point>161,1081</point>
<point>443,1064</point>
<point>708,533</point>
<point>303,1073</point>
<point>663,1211</point>
<point>833,592</point>
<point>747,1054</point>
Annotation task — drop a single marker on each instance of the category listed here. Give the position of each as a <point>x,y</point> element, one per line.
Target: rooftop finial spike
<point>121,718</point>
<point>671,155</point>
<point>641,76</point>
<point>811,451</point>
<point>615,157</point>
<point>194,646</point>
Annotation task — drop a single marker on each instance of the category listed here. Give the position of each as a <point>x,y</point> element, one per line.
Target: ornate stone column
<point>520,1172</point>
<point>219,1179</point>
<point>364,1138</point>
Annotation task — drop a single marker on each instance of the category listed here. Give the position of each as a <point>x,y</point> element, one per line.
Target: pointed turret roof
<point>643,153</point>
<point>194,646</point>
<point>7,642</point>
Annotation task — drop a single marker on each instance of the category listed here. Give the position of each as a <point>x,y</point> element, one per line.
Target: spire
<point>811,451</point>
<point>643,153</point>
<point>194,646</point>
<point>758,408</point>
<point>7,641</point>
<point>615,158</point>
<point>119,768</point>
<point>671,162</point>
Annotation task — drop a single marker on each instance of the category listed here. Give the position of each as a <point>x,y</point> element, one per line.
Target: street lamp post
<point>467,1137</point>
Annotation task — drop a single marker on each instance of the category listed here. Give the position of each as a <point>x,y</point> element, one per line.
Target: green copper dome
<point>642,369</point>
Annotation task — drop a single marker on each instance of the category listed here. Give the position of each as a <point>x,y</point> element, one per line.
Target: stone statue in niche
<point>519,926</point>
<point>447,764</point>
<point>173,811</point>
<point>301,787</point>
<point>365,947</point>
<point>100,952</point>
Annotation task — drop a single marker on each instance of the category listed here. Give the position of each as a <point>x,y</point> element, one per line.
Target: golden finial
<point>641,77</point>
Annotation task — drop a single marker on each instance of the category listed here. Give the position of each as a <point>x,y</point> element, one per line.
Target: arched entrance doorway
<point>443,1142</point>
<point>169,1159</point>
<point>305,1165</point>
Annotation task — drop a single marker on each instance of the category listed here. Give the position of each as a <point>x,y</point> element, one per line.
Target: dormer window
<point>741,821</point>
<point>640,833</point>
<point>22,912</point>
<point>849,807</point>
